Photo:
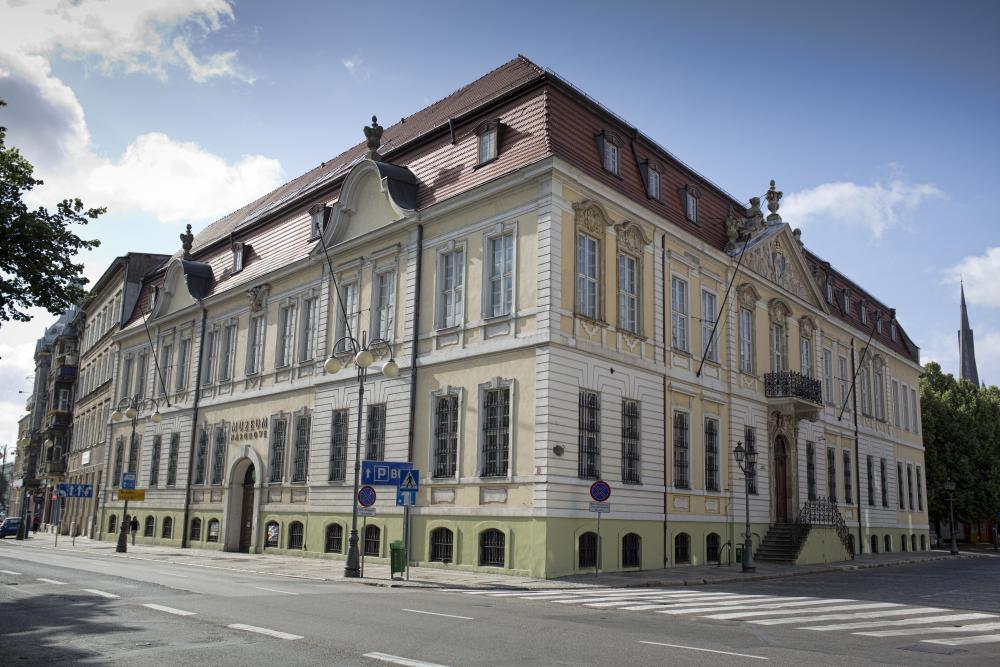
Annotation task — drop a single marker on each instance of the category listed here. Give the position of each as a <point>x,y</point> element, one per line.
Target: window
<point>127,376</point>
<point>878,389</point>
<point>631,550</point>
<point>811,470</point>
<point>196,530</point>
<point>878,322</point>
<point>442,545</point>
<point>862,312</point>
<point>133,453</point>
<point>201,458</point>
<point>899,484</point>
<point>920,490</point>
<point>913,408</point>
<point>219,456</point>
<point>843,381</point>
<point>272,531</point>
<point>923,543</point>
<point>866,398</point>
<point>829,291</point>
<point>888,543</point>
<point>884,482</point>
<point>682,548</point>
<point>149,527</point>
<point>610,155</point>
<point>213,531</point>
<point>488,144</point>
<point>805,356</point>
<point>373,540</point>
<point>385,305</point>
<point>711,454</point>
<point>316,214</point>
<point>228,352</point>
<point>902,543</point>
<point>237,257</point>
<point>906,410</point>
<point>631,441</point>
<point>279,436</point>
<point>307,332</point>
<point>300,461</point>
<point>501,276</point>
<point>691,206</point>
<point>892,331</point>
<point>167,531</point>
<point>587,276</point>
<point>682,453</point>
<point>496,432</point>
<point>295,535</point>
<point>255,345</point>
<point>163,376</point>
<point>140,374</point>
<point>848,479</point>
<point>589,463</point>
<point>777,347</point>
<point>452,282</point>
<point>172,459</point>
<point>871,480</point>
<point>653,183</point>
<point>113,523</point>
<point>712,548</point>
<point>375,434</point>
<point>338,445</point>
<point>183,359</point>
<point>119,455</point>
<point>895,403</point>
<point>347,314</point>
<point>628,293</point>
<point>283,352</point>
<point>750,436</point>
<point>828,375</point>
<point>678,314</point>
<point>587,546</point>
<point>746,340</point>
<point>445,436</point>
<point>708,315</point>
<point>831,474</point>
<point>154,461</point>
<point>208,363</point>
<point>334,539</point>
<point>873,540</point>
<point>909,484</point>
<point>491,548</point>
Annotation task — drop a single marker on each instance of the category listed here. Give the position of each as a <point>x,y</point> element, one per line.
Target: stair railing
<point>825,513</point>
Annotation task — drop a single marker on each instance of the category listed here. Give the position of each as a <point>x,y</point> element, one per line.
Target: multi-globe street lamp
<point>747,461</point>
<point>362,353</point>
<point>131,408</point>
<point>949,486</point>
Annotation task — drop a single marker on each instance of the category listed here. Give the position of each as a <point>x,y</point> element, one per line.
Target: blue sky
<point>878,120</point>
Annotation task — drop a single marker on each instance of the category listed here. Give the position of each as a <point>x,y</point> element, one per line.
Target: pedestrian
<point>36,523</point>
<point>134,527</point>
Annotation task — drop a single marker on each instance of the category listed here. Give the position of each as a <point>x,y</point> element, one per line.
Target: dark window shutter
<point>600,147</point>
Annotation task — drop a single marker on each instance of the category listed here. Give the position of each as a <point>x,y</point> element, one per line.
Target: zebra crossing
<point>862,618</point>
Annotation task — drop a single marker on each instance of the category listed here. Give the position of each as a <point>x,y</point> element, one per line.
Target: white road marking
<point>907,611</point>
<point>965,641</point>
<point>648,597</point>
<point>707,650</point>
<point>264,631</point>
<point>169,610</point>
<point>434,613</point>
<point>800,610</point>
<point>778,603</point>
<point>906,621</point>
<point>174,574</point>
<point>982,627</point>
<point>11,572</point>
<point>110,596</point>
<point>52,581</point>
<point>274,590</point>
<point>397,660</point>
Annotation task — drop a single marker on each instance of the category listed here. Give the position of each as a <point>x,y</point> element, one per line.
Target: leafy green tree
<point>38,248</point>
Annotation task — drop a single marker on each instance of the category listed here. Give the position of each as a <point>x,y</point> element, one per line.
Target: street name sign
<point>76,490</point>
<point>131,494</point>
<point>600,508</point>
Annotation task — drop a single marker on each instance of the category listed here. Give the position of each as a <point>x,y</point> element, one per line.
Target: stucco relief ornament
<point>773,202</point>
<point>631,237</point>
<point>591,218</point>
<point>258,294</point>
<point>373,136</point>
<point>779,263</point>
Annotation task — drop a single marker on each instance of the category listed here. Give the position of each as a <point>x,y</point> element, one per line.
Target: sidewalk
<point>377,574</point>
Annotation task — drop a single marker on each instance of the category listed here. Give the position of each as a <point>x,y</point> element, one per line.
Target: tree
<point>38,248</point>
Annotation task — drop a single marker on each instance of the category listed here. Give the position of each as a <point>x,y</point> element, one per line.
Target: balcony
<point>794,393</point>
<point>56,467</point>
<point>58,419</point>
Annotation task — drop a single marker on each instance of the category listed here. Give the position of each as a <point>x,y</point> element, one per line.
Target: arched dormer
<point>374,194</point>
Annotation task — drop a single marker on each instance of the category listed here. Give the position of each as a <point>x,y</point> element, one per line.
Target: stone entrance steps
<point>782,543</point>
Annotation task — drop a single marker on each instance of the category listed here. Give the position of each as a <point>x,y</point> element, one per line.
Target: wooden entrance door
<point>780,481</point>
<point>246,514</point>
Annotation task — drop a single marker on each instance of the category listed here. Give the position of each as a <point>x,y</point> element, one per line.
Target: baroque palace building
<point>547,278</point>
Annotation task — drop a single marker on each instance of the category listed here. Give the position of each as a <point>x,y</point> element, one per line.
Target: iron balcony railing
<point>792,384</point>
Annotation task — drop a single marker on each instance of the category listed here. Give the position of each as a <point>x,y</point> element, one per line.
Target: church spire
<point>966,346</point>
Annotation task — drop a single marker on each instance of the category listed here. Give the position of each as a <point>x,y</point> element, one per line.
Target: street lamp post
<point>747,461</point>
<point>949,486</point>
<point>362,353</point>
<point>132,408</point>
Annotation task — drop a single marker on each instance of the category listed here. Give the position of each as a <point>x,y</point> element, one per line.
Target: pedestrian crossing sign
<point>410,481</point>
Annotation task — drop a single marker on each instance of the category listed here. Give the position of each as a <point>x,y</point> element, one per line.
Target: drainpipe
<point>857,447</point>
<point>666,407</point>
<point>413,348</point>
<point>194,427</point>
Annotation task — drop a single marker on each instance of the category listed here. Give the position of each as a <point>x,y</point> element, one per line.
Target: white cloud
<point>876,207</point>
<point>980,274</point>
<point>355,66</point>
<point>216,65</point>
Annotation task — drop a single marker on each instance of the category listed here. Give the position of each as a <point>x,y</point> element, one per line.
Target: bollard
<point>72,531</point>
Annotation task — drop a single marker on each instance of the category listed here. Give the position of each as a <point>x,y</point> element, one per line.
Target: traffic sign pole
<point>600,491</point>
<point>597,561</point>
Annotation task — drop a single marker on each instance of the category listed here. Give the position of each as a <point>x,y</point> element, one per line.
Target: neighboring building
<point>967,347</point>
<point>113,294</point>
<point>547,278</point>
<point>23,475</point>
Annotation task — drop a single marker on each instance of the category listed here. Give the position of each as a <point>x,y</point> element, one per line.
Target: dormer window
<point>153,297</point>
<point>691,205</point>
<point>878,322</point>
<point>317,213</point>
<point>862,312</point>
<point>892,331</point>
<point>653,183</point>
<point>237,257</point>
<point>609,145</point>
<point>829,291</point>
<point>845,304</point>
<point>489,135</point>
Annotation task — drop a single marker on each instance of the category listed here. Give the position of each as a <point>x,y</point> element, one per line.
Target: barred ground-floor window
<point>631,550</point>
<point>373,540</point>
<point>903,543</point>
<point>874,544</point>
<point>913,541</point>
<point>334,539</point>
<point>712,548</point>
<point>213,531</point>
<point>113,523</point>
<point>149,528</point>
<point>167,531</point>
<point>196,530</point>
<point>271,533</point>
<point>491,548</point>
<point>296,535</point>
<point>682,548</point>
<point>888,544</point>
<point>442,545</point>
<point>923,543</point>
<point>588,550</point>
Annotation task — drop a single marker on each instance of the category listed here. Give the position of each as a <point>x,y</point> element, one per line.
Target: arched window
<point>923,543</point>
<point>334,539</point>
<point>913,541</point>
<point>373,540</point>
<point>149,528</point>
<point>866,387</point>
<point>442,545</point>
<point>167,531</point>
<point>588,550</point>
<point>295,535</point>
<point>491,547</point>
<point>213,531</point>
<point>888,544</point>
<point>113,523</point>
<point>682,548</point>
<point>874,544</point>
<point>631,550</point>
<point>850,544</point>
<point>712,548</point>
<point>271,532</point>
<point>903,543</point>
<point>196,530</point>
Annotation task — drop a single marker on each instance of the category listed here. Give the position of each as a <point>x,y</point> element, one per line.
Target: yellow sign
<point>131,494</point>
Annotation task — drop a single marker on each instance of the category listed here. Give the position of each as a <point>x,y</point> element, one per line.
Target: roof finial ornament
<point>773,198</point>
<point>187,240</point>
<point>374,137</point>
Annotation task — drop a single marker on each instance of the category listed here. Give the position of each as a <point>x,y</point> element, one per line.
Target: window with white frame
<point>631,441</point>
<point>283,349</point>
<point>653,183</point>
<point>500,294</point>
<point>679,313</point>
<point>913,410</point>
<point>237,257</point>
<point>862,312</point>
<point>746,340</point>
<point>140,373</point>
<point>587,276</point>
<point>611,155</point>
<point>219,455</point>
<point>347,314</point>
<point>589,435</point>
<point>906,409</point>
<point>255,345</point>
<point>805,356</point>
<point>445,435</point>
<point>712,454</point>
<point>488,144</point>
<point>496,432</point>
<point>338,445</point>
<point>451,281</point>
<point>879,389</point>
<point>307,329</point>
<point>375,433</point>
<point>828,375</point>
<point>845,302</point>
<point>183,362</point>
<point>628,293</point>
<point>208,360</point>
<point>892,331</point>
<point>691,205</point>
<point>383,305</point>
<point>864,379</point>
<point>777,347</point>
<point>844,384</point>
<point>708,315</point>
<point>227,353</point>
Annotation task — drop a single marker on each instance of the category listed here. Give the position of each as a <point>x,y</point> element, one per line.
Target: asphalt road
<point>62,608</point>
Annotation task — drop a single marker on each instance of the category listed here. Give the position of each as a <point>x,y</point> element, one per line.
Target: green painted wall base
<point>822,545</point>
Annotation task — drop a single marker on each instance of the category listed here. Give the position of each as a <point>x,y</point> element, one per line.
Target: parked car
<point>9,526</point>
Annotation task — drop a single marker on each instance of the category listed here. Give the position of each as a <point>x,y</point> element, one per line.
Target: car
<point>9,526</point>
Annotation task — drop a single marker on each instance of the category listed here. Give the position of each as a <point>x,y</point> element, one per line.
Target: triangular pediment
<point>775,255</point>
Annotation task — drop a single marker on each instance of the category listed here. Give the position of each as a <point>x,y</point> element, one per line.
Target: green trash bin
<point>397,558</point>
<point>739,553</point>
